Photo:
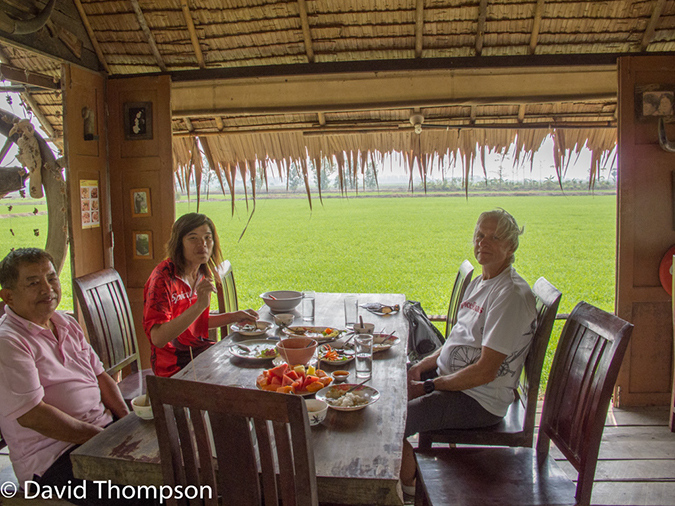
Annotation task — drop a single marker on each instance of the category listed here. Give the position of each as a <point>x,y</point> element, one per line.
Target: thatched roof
<point>222,38</point>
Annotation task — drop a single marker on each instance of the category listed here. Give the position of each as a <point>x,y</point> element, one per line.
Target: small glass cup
<point>351,311</point>
<point>308,305</point>
<point>364,356</point>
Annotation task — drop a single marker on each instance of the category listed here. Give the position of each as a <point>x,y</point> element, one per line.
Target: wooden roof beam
<point>536,25</point>
<point>219,123</point>
<point>148,35</point>
<point>322,119</point>
<point>92,36</point>
<point>27,77</point>
<point>419,28</point>
<point>307,35</point>
<point>651,26</point>
<point>193,33</point>
<point>375,90</point>
<point>521,113</point>
<point>480,30</point>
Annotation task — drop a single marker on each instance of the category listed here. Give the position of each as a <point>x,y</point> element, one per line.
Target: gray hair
<point>507,228</point>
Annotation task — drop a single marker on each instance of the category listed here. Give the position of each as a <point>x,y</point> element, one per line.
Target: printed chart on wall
<point>89,203</point>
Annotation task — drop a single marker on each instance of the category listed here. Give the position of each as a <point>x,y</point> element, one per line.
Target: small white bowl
<point>144,412</point>
<point>284,319</point>
<point>340,376</point>
<point>316,410</point>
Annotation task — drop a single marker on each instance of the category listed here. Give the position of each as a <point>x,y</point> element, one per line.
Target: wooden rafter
<point>188,125</point>
<point>219,123</point>
<point>148,35</point>
<point>26,97</point>
<point>92,36</point>
<point>473,114</point>
<point>521,113</point>
<point>480,30</point>
<point>304,20</point>
<point>193,33</point>
<point>322,119</point>
<point>26,77</point>
<point>651,26</point>
<point>419,28</point>
<point>536,24</point>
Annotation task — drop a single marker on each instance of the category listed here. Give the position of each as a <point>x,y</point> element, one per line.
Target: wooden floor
<point>636,465</point>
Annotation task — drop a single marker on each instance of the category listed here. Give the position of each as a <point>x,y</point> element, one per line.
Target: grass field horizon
<point>408,245</point>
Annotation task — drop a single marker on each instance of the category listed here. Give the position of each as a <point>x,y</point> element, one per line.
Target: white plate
<point>387,343</point>
<point>348,358</point>
<point>371,393</point>
<point>315,332</point>
<point>255,345</point>
<point>263,327</point>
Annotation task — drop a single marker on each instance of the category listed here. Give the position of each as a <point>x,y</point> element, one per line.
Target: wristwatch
<point>429,386</point>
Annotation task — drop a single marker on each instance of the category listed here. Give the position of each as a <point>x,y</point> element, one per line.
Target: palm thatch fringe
<point>353,154</point>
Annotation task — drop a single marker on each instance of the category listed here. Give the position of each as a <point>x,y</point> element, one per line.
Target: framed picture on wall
<point>142,245</point>
<point>137,121</point>
<point>140,203</point>
<point>654,100</point>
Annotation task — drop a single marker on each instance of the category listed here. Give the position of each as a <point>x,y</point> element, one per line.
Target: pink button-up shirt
<point>37,366</point>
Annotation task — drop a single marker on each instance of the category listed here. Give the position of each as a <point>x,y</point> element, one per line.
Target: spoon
<point>357,386</point>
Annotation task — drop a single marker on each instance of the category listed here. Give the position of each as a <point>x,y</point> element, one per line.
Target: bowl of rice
<point>337,397</point>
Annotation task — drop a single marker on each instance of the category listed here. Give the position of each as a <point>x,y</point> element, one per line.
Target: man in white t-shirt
<point>469,382</point>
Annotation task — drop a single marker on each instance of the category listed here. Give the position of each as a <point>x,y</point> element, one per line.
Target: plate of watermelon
<point>298,380</point>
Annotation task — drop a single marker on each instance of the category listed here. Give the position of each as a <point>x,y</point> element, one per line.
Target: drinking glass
<point>351,311</point>
<point>308,305</point>
<point>364,356</point>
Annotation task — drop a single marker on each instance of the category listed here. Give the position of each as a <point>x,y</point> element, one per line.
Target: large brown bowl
<point>297,350</point>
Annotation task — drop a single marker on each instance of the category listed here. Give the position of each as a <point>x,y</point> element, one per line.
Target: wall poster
<point>89,203</point>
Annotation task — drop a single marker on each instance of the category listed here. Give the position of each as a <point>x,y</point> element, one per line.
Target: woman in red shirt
<point>177,296</point>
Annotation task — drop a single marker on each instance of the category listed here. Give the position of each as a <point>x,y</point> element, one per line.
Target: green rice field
<point>407,244</point>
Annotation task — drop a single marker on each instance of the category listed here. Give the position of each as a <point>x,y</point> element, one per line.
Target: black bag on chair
<point>423,337</point>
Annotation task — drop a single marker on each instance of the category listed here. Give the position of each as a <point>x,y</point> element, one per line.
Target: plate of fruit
<point>298,380</point>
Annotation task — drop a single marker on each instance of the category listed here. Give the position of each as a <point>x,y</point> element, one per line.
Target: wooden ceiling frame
<point>419,28</point>
<point>193,33</point>
<point>651,26</point>
<point>480,29</point>
<point>148,35</point>
<point>92,36</point>
<point>536,25</point>
<point>306,34</point>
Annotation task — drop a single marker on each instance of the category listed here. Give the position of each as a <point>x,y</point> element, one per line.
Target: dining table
<point>357,453</point>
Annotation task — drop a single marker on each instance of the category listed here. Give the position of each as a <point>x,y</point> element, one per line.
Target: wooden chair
<point>517,427</point>
<point>585,367</point>
<point>462,280</point>
<point>110,326</point>
<point>227,293</point>
<point>244,429</point>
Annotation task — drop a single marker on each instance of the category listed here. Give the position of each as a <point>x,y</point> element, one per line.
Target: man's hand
<point>414,373</point>
<point>415,389</point>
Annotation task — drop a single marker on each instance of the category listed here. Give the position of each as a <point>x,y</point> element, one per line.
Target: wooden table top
<point>357,454</point>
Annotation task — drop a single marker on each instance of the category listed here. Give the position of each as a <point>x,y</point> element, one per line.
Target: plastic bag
<point>423,337</point>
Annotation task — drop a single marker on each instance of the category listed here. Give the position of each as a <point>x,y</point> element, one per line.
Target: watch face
<point>429,386</point>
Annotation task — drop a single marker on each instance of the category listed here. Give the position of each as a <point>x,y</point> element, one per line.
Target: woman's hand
<point>204,290</point>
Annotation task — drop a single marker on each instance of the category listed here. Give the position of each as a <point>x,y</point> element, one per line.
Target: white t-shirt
<point>499,313</point>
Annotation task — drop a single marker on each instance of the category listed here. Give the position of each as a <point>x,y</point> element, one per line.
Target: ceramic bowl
<point>316,410</point>
<point>283,301</point>
<point>340,376</point>
<point>297,350</point>
<point>144,412</point>
<point>284,319</point>
<point>366,328</point>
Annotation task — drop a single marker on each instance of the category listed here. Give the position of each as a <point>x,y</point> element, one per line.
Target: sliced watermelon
<point>279,370</point>
<point>275,381</point>
<point>293,375</point>
<point>286,381</point>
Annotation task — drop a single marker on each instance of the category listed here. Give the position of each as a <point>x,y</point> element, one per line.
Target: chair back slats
<point>547,299</point>
<point>585,368</point>
<point>234,440</point>
<point>108,318</point>
<point>226,293</point>
<point>462,281</point>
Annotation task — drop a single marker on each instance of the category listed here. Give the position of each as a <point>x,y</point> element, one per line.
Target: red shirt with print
<point>166,296</point>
